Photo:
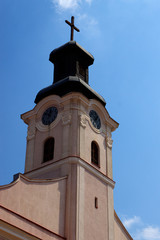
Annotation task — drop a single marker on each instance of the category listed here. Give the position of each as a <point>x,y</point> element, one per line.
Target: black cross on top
<point>72,27</point>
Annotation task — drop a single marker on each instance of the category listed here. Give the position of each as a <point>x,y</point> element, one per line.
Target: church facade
<point>66,191</point>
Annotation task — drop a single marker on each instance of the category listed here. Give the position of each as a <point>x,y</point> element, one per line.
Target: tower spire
<point>73,27</point>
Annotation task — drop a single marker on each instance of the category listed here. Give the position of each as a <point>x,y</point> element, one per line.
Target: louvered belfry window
<point>48,150</point>
<point>95,153</point>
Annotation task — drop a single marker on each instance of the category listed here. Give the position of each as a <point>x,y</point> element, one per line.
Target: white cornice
<point>14,232</point>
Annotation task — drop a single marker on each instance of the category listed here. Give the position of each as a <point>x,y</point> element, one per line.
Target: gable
<point>39,201</point>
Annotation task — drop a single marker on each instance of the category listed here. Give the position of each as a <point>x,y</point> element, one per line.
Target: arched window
<point>48,149</point>
<point>95,153</point>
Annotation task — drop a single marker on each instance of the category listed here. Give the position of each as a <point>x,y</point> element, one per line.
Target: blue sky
<point>124,38</point>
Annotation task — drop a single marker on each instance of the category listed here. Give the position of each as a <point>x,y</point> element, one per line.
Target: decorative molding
<point>15,232</point>
<point>109,141</point>
<point>43,128</point>
<point>93,128</point>
<point>83,120</point>
<point>31,130</point>
<point>66,119</point>
<point>72,160</point>
<point>27,179</point>
<point>117,219</point>
<point>18,232</point>
<point>63,101</point>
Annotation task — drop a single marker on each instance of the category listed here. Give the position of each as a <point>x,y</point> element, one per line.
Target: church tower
<point>66,191</point>
<point>69,135</point>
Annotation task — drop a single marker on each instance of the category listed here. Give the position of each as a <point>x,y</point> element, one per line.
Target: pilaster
<point>109,142</point>
<point>30,145</point>
<point>110,213</point>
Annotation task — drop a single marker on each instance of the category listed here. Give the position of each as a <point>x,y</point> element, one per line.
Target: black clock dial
<point>95,120</point>
<point>49,115</point>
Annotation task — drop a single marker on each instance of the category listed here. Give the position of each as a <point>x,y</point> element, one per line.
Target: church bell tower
<point>70,136</point>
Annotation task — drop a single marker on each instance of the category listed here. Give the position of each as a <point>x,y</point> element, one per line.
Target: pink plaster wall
<point>17,226</point>
<point>96,219</point>
<point>41,137</point>
<point>41,202</point>
<point>120,232</point>
<point>90,136</point>
<point>71,137</point>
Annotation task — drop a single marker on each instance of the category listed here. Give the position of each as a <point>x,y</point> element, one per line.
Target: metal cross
<point>72,27</point>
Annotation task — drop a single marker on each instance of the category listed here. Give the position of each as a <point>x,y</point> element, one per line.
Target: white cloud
<point>87,19</point>
<point>140,231</point>
<point>128,223</point>
<point>89,1</point>
<point>88,24</point>
<point>148,233</point>
<point>68,4</point>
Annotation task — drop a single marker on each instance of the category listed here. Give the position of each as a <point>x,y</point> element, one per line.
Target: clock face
<point>95,120</point>
<point>49,115</point>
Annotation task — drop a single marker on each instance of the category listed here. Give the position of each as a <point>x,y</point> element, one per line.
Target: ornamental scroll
<point>31,130</point>
<point>109,141</point>
<point>82,119</point>
<point>66,119</point>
